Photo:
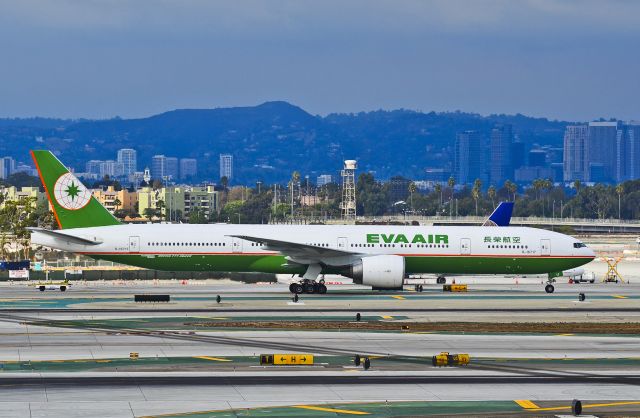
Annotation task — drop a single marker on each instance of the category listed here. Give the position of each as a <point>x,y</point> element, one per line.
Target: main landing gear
<point>308,286</point>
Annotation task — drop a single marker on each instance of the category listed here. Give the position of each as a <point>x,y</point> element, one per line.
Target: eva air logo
<point>70,193</point>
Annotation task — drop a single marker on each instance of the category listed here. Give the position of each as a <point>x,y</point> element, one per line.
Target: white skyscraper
<point>128,158</point>
<point>7,167</point>
<point>324,179</point>
<point>188,168</point>
<point>226,166</point>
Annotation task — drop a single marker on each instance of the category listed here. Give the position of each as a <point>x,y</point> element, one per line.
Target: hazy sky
<point>573,60</point>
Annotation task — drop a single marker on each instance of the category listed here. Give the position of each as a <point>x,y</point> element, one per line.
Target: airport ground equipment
<point>367,363</point>
<point>454,288</point>
<point>47,285</point>
<point>444,359</point>
<point>576,407</point>
<point>357,360</point>
<point>152,298</point>
<point>612,275</point>
<point>286,359</point>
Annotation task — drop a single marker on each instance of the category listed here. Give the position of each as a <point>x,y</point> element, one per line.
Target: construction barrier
<point>454,288</point>
<point>445,359</point>
<point>286,359</point>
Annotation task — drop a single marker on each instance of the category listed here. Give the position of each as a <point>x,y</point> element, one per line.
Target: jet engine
<point>379,271</point>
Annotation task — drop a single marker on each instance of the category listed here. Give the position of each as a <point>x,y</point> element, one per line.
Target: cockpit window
<point>579,245</point>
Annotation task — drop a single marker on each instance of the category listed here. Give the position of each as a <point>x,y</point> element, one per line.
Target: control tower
<point>348,204</point>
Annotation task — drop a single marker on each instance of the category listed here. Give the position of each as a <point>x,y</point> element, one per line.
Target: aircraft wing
<point>295,249</point>
<point>65,237</point>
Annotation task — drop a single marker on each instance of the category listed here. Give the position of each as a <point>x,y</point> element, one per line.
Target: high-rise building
<point>469,160</point>
<point>537,158</point>
<point>111,168</point>
<point>226,166</point>
<point>600,152</point>
<point>7,167</point>
<point>575,139</point>
<point>171,168</point>
<point>324,179</point>
<point>158,167</point>
<point>128,158</point>
<point>188,168</point>
<point>628,152</point>
<point>93,167</point>
<point>500,161</point>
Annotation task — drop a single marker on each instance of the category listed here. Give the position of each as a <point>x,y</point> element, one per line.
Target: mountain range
<point>271,140</point>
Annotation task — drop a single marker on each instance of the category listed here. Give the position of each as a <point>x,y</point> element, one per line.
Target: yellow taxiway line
<point>398,297</point>
<point>336,411</point>
<point>526,404</point>
<point>620,297</point>
<point>213,358</point>
<point>559,408</point>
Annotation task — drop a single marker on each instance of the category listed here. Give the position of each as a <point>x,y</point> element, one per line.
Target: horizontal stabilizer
<point>501,216</point>
<point>66,237</point>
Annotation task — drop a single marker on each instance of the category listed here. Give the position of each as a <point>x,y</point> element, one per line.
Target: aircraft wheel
<point>441,280</point>
<point>63,288</point>
<point>322,289</point>
<point>291,288</point>
<point>42,288</point>
<point>297,288</point>
<point>549,288</point>
<point>309,288</point>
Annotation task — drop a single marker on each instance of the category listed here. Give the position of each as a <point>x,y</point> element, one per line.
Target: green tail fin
<point>73,204</point>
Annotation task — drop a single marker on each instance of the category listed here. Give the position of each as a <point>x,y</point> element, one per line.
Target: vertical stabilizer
<point>501,216</point>
<point>73,204</point>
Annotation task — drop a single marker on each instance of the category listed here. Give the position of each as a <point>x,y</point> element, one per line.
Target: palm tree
<point>475,192</point>
<point>159,206</point>
<point>511,188</point>
<point>438,190</point>
<point>295,178</point>
<point>412,190</point>
<point>576,185</point>
<point>620,191</point>
<point>116,204</point>
<point>492,195</point>
<point>451,182</point>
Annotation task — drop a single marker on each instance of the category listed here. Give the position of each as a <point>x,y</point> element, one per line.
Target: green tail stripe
<point>72,203</point>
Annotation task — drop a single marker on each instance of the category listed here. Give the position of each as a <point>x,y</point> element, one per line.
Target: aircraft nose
<point>591,253</point>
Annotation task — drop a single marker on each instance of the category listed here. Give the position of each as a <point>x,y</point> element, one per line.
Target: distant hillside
<point>271,140</point>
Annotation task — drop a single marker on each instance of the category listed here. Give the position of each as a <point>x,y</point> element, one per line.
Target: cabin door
<point>134,244</point>
<point>236,245</point>
<point>545,247</point>
<point>342,243</point>
<point>465,246</point>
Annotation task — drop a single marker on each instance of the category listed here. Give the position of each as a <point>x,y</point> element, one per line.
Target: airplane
<point>380,256</point>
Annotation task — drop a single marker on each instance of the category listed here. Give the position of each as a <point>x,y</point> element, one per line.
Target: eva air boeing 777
<point>376,256</point>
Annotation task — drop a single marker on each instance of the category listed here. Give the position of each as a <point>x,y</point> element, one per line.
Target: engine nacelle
<point>379,271</point>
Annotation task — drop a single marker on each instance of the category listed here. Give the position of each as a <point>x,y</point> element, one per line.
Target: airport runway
<point>58,349</point>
